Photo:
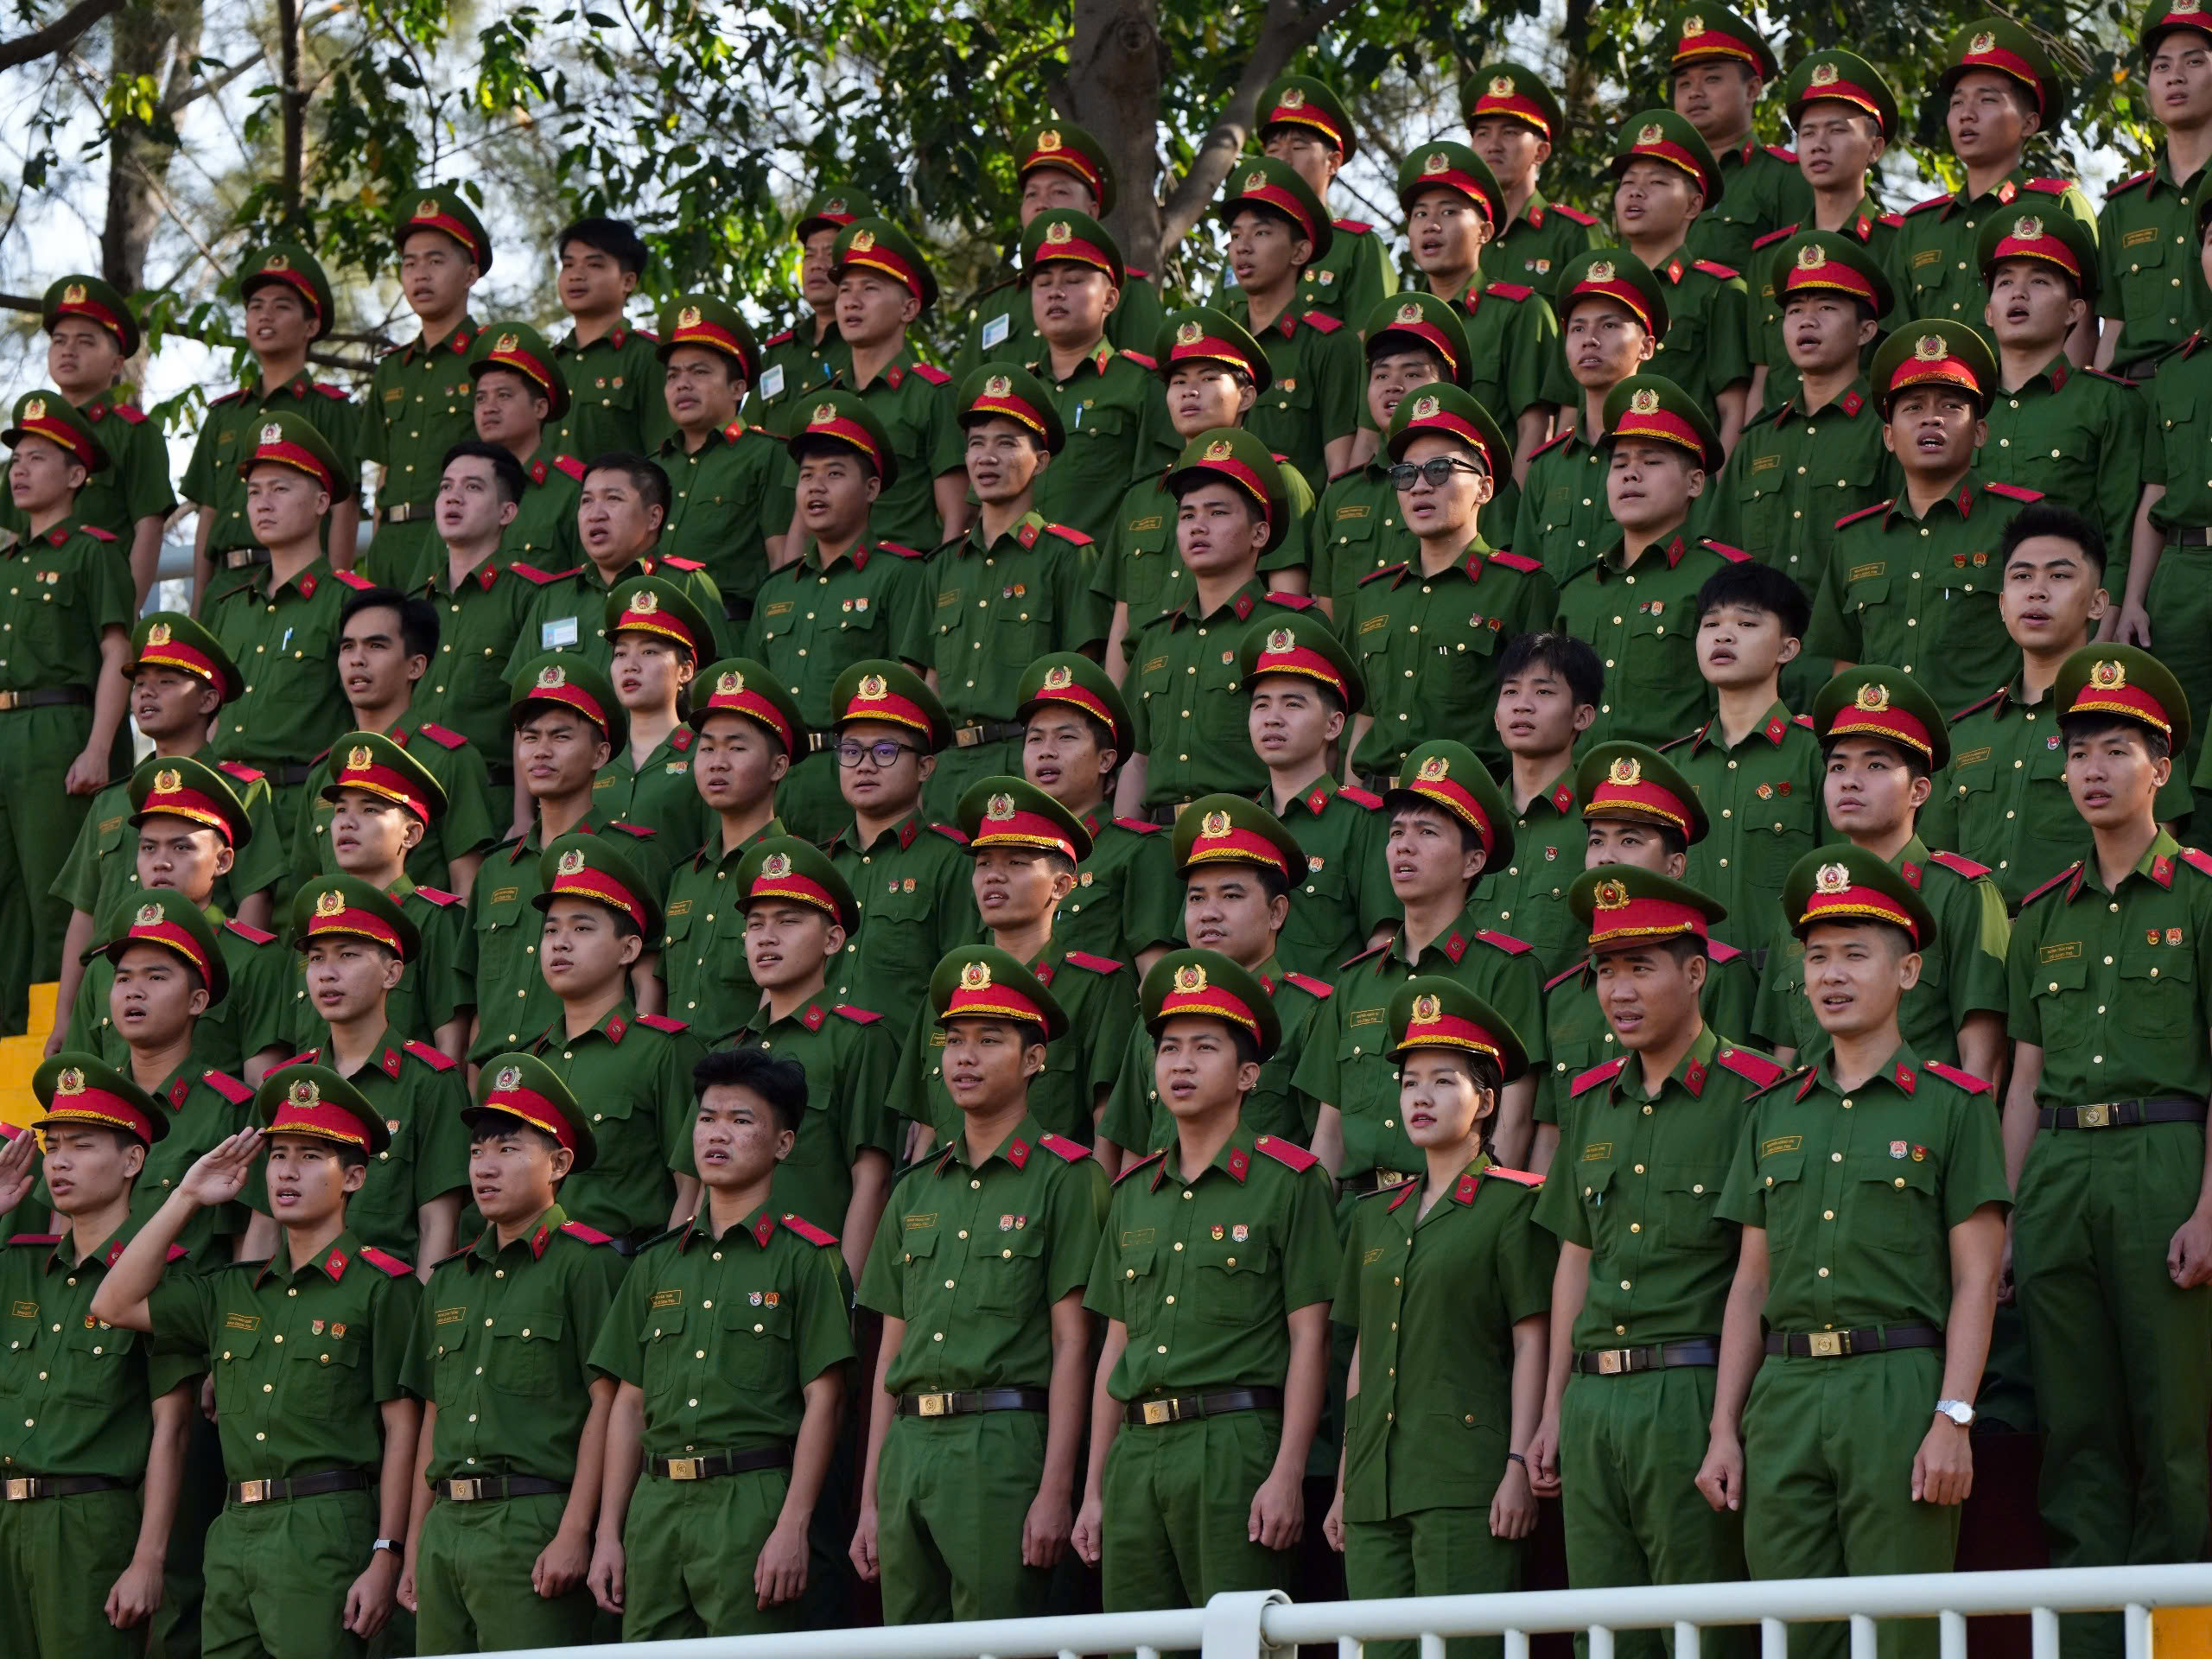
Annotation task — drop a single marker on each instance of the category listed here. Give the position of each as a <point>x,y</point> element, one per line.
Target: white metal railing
<point>1251,1625</point>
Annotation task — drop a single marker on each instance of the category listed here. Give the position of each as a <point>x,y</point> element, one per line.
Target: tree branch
<point>62,32</point>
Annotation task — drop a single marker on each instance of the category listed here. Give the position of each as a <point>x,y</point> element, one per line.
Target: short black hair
<point>779,1081</point>
<point>507,474</point>
<point>646,476</point>
<point>1686,948</point>
<point>418,618</point>
<point>2051,519</point>
<point>617,236</point>
<point>1916,763</point>
<point>1490,1078</point>
<point>1273,882</point>
<point>350,1156</point>
<point>1757,587</point>
<point>2076,729</point>
<point>1248,1045</point>
<point>1567,655</point>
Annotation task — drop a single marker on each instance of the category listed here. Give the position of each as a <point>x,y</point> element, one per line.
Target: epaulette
<point>2197,859</point>
<point>1309,985</point>
<point>1352,226</point>
<point>1781,153</point>
<point>1757,1068</point>
<point>1774,236</point>
<point>1734,555</point>
<point>1960,864</point>
<point>1805,1072</point>
<point>1393,1193</point>
<point>328,390</point>
<point>661,1238</point>
<point>931,373</point>
<point>1139,1165</point>
<point>1142,276</point>
<point>1521,1176</point>
<point>1386,570</point>
<point>307,1058</point>
<point>1932,201</point>
<point>1853,518</point>
<point>675,563</point>
<point>1321,320</point>
<point>234,397</point>
<point>661,1022</point>
<point>1714,268</point>
<point>1895,221</point>
<point>1095,964</point>
<point>2107,374</point>
<point>807,1230</point>
<point>1354,962</point>
<point>1512,291</point>
<point>1951,1074</point>
<point>1288,1154</point>
<point>2129,184</point>
<point>1142,826</point>
<point>1070,533</point>
<point>239,770</point>
<point>531,573</point>
<point>1561,979</point>
<point>2059,879</point>
<point>1573,213</point>
<point>358,584</point>
<point>128,414</point>
<point>1552,443</point>
<point>48,1239</point>
<point>571,465</point>
<point>2049,186</point>
<point>1686,737</point>
<point>901,549</point>
<point>1288,601</point>
<point>1061,1146</point>
<point>96,532</point>
<point>437,1060</point>
<point>230,1087</point>
<point>2012,492</point>
<point>1359,796</point>
<point>439,896</point>
<point>251,935</point>
<point>1806,720</point>
<point>953,836</point>
<point>1512,561</point>
<point>1976,708</point>
<point>1144,361</point>
<point>589,1235</point>
<point>177,1253</point>
<point>453,1256</point>
<point>1504,942</point>
<point>858,1016</point>
<point>777,340</point>
<point>384,1261</point>
<point>641,831</point>
<point>1596,1075</point>
<point>1721,952</point>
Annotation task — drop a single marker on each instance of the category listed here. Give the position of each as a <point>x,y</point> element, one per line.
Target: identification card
<point>558,634</point>
<point>771,382</point>
<point>997,330</point>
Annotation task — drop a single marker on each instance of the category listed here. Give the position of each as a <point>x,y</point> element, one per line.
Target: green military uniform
<point>542,533</point>
<point>1512,336</point>
<point>1355,270</point>
<point>1538,243</point>
<point>614,394</point>
<point>464,820</point>
<point>727,497</point>
<point>439,984</point>
<point>693,1530</point>
<point>807,356</point>
<point>2144,256</point>
<point>657,791</point>
<point>410,1085</point>
<point>1525,897</point>
<point>959,1468</point>
<point>481,618</point>
<point>1762,806</point>
<point>1356,532</point>
<point>568,614</point>
<point>2108,986</point>
<point>1868,229</point>
<point>1757,187</point>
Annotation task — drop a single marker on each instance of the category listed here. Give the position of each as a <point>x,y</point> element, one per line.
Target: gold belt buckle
<point>253,1492</point>
<point>2098,1116</point>
<point>7,700</point>
<point>19,1487</point>
<point>935,1405</point>
<point>1157,1412</point>
<point>1389,1177</point>
<point>1611,1362</point>
<point>967,737</point>
<point>1826,1344</point>
<point>685,1468</point>
<point>465,1492</point>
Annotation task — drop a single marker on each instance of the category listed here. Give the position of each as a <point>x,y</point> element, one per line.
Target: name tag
<point>668,1298</point>
<point>1350,512</point>
<point>1372,1257</point>
<point>950,596</point>
<point>1136,1236</point>
<point>557,634</point>
<point>1927,257</point>
<point>24,1311</point>
<point>1596,1152</point>
<point>2148,234</point>
<point>2065,952</point>
<point>997,329</point>
<point>109,826</point>
<point>1765,463</point>
<point>1867,572</point>
<point>450,1316</point>
<point>921,1224</point>
<point>772,383</point>
<point>781,607</point>
<point>1367,1016</point>
<point>680,907</point>
<point>1971,758</point>
<point>1154,664</point>
<point>505,895</point>
<point>1375,622</point>
<point>1781,1143</point>
<point>242,1322</point>
<point>1138,526</point>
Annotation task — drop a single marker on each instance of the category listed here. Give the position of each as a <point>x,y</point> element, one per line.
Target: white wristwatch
<point>391,1544</point>
<point>1959,1411</point>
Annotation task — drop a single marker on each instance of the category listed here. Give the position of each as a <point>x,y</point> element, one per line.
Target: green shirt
<point>232,430</point>
<point>631,1071</point>
<point>1527,898</point>
<point>255,1017</point>
<point>1538,243</point>
<point>205,1107</point>
<point>480,620</point>
<point>470,823</point>
<point>1564,517</point>
<point>1872,229</point>
<point>542,533</point>
<point>1001,326</point>
<point>811,622</point>
<point>1580,1036</point>
<point>792,364</point>
<point>2112,986</point>
<point>1707,349</point>
<point>421,1095</point>
<point>914,402</point>
<point>284,639</point>
<point>1933,266</point>
<point>1761,190</point>
<point>851,1057</point>
<point>1433,1299</point>
<point>133,485</point>
<point>1205,1272</point>
<point>1795,472</point>
<point>1113,408</point>
<point>703,939</point>
<point>568,613</point>
<point>1355,531</point>
<point>660,794</point>
<point>1660,1266</point>
<point>1858,1205</point>
<point>911,884</point>
<point>1321,378</point>
<point>502,1345</point>
<point>2078,436</point>
<point>1354,275</point>
<point>1185,711</point>
<point>102,869</point>
<point>438,985</point>
<point>1001,605</point>
<point>302,1357</point>
<point>727,499</point>
<point>65,589</point>
<point>1642,619</point>
<point>2146,262</point>
<point>722,1334</point>
<point>614,395</point>
<point>421,402</point>
<point>974,1266</point>
<point>1139,565</point>
<point>1346,893</point>
<point>1127,897</point>
<point>1513,340</point>
<point>1763,801</point>
<point>2180,428</point>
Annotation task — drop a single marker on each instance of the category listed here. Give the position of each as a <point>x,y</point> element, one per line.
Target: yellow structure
<point>20,1058</point>
<point>2181,1633</point>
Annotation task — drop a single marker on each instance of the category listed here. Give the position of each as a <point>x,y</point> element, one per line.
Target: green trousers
<point>39,821</point>
<point>1178,1508</point>
<point>472,1579</point>
<point>952,1494</point>
<point>1439,1552</point>
<point>278,1574</point>
<point>59,1559</point>
<point>1630,1449</point>
<point>689,1548</point>
<point>1829,1446</point>
<point>2122,1359</point>
<point>2180,596</point>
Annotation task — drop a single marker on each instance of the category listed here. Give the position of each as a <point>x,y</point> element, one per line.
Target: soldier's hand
<point>1278,1512</point>
<point>1543,1457</point>
<point>368,1604</point>
<point>1720,1476</point>
<point>1942,1470</point>
<point>405,1595</point>
<point>2189,1257</point>
<point>1333,1523</point>
<point>1045,1531</point>
<point>136,1594</point>
<point>87,773</point>
<point>221,1174</point>
<point>780,1573</point>
<point>1085,1536</point>
<point>2005,1288</point>
<point>16,1176</point>
<point>2134,628</point>
<point>865,1560</point>
<point>606,1575</point>
<point>560,1566</point>
<point>1513,1506</point>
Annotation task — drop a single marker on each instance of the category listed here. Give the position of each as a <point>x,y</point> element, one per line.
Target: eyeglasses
<point>1438,470</point>
<point>884,754</point>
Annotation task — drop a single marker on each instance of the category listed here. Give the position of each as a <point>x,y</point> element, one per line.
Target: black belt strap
<point>241,558</point>
<point>978,733</point>
<point>490,1489</point>
<point>289,775</point>
<point>1840,1344</point>
<point>719,1464</point>
<point>1659,1357</point>
<point>1182,1408</point>
<point>2122,1114</point>
<point>276,1491</point>
<point>961,1404</point>
<point>2191,536</point>
<point>19,1489</point>
<point>52,697</point>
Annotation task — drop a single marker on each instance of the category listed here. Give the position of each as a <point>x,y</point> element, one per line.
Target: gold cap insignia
<point>835,205</point>
<point>148,916</point>
<point>729,684</point>
<point>1436,161</point>
<point>1872,697</point>
<point>689,317</point>
<point>1831,879</point>
<point>1643,400</point>
<point>158,635</point>
<point>167,781</point>
<point>1059,230</point>
<point>1600,272</point>
<point>823,414</point>
<point>1189,333</point>
<point>873,687</point>
<point>1058,677</point>
<point>510,1077</point>
<point>357,757</point>
<point>1652,133</point>
<point>572,861</point>
<point>776,865</point>
<point>1501,86</point>
<point>1409,312</point>
<point>305,1092</point>
<point>1929,348</point>
<point>1625,770</point>
<point>1809,257</point>
<point>272,433</point>
<point>645,602</point>
<point>509,343</point>
<point>2184,6</point>
<point>278,262</point>
<point>1220,449</point>
<point>976,977</point>
<point>1427,1010</point>
<point>1433,770</point>
<point>74,295</point>
<point>1825,75</point>
<point>1216,825</point>
<point>2108,676</point>
<point>863,242</point>
<point>71,1082</point>
<point>1982,43</point>
<point>329,902</point>
<point>552,677</point>
<point>1000,808</point>
<point>2028,228</point>
<point>1294,97</point>
<point>1693,24</point>
<point>1427,408</point>
<point>35,410</point>
<point>1255,181</point>
<point>1610,895</point>
<point>1280,641</point>
<point>1190,978</point>
<point>998,386</point>
<point>1049,139</point>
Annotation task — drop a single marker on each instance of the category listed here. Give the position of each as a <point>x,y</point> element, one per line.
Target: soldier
<point>797,914</point>
<point>600,909</point>
<point>1279,232</point>
<point>1447,825</point>
<point>729,508</point>
<point>1662,450</point>
<point>1166,1507</point>
<point>2001,90</point>
<point>2144,283</point>
<point>355,942</point>
<point>2112,1240</point>
<point>1548,687</point>
<point>613,386</point>
<point>659,639</point>
<point>1408,1514</point>
<point>1301,687</point>
<point>1718,63</point>
<point>748,733</point>
<point>287,304</point>
<point>846,596</point>
<point>1431,674</point>
<point>979,641</point>
<point>966,1499</point>
<point>281,616</point>
<point>1612,317</point>
<point>1231,507</point>
<point>1884,738</point>
<point>1302,123</point>
<point>519,394</point>
<point>807,357</point>
<point>514,1432</point>
<point>715,1543</point>
<point>1630,1388</point>
<point>418,403</point>
<point>304,1559</point>
<point>1908,581</point>
<point>1076,734</point>
<point>100,1412</point>
<point>1909,1270</point>
<point>1512,123</point>
<point>907,872</point>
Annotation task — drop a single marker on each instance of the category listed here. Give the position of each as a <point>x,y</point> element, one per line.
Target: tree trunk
<point>156,40</point>
<point>1113,85</point>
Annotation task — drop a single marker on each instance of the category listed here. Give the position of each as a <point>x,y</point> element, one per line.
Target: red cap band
<point>1617,920</point>
<point>1883,719</point>
<point>574,879</point>
<point>777,880</point>
<point>1844,902</point>
<point>150,926</point>
<point>85,1103</point>
<point>362,771</point>
<point>1284,655</point>
<point>873,699</point>
<point>342,918</point>
<point>1220,842</point>
<point>553,685</point>
<point>731,695</point>
<point>1439,1030</point>
<point>1625,792</point>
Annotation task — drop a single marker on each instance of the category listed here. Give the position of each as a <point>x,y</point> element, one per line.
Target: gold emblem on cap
<point>426,208</point>
<point>2028,228</point>
<point>1625,770</point>
<point>1643,400</point>
<point>1255,180</point>
<point>509,343</point>
<point>1652,133</point>
<point>510,1077</point>
<point>729,684</point>
<point>1427,408</point>
<point>776,865</point>
<point>1929,348</point>
<point>1058,677</point>
<point>1049,139</point>
<point>305,1092</point>
<point>1601,270</point>
<point>1189,333</point>
<point>976,977</point>
<point>1610,894</point>
<point>74,295</point>
<point>35,410</point>
<point>1693,24</point>
<point>71,1082</point>
<point>552,677</point>
<point>1874,697</point>
<point>1409,312</point>
<point>1501,86</point>
<point>1831,879</point>
<point>1220,449</point>
<point>1436,161</point>
<point>998,386</point>
<point>2108,675</point>
<point>148,916</point>
<point>357,757</point>
<point>1059,230</point>
<point>873,687</point>
<point>1809,257</point>
<point>2184,6</point>
<point>329,902</point>
<point>689,317</point>
<point>277,262</point>
<point>1215,827</point>
<point>572,861</point>
<point>645,602</point>
<point>1190,978</point>
<point>1426,1009</point>
<point>158,635</point>
<point>835,205</point>
<point>167,781</point>
<point>863,242</point>
<point>1435,769</point>
<point>823,414</point>
<point>1000,808</point>
<point>1280,641</point>
<point>1294,97</point>
<point>1825,75</point>
<point>1984,41</point>
<point>272,433</point>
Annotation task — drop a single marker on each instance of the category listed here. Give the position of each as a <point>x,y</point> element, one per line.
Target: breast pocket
<point>1138,1265</point>
<point>528,1356</point>
<point>1687,1195</point>
<point>758,1348</point>
<point>2158,985</point>
<point>505,931</point>
<point>234,1361</point>
<point>1866,593</point>
<point>675,931</point>
<point>1021,628</point>
<point>1762,517</point>
<point>1011,1279</point>
<point>918,1249</point>
<point>1770,850</point>
<point>1894,1193</point>
<point>1661,654</point>
<point>95,1353</point>
<point>1781,1180</point>
<point>1594,1189</point>
<point>1219,712</point>
<point>2147,294</point>
<point>1354,547</point>
<point>667,1361</point>
<point>1457,679</point>
<point>1234,1283</point>
<point>322,1380</point>
<point>2056,986</point>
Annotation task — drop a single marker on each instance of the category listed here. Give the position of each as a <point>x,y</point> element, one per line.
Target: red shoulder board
<point>1714,268</point>
<point>439,896</point>
<point>35,1238</point>
<point>1976,708</point>
<point>1142,276</point>
<point>2126,184</point>
<point>1561,979</point>
<point>1734,555</point>
<point>307,1058</point>
<point>384,1261</point>
<point>2059,879</point>
<point>1806,720</point>
<point>2049,186</point>
<point>1504,942</point>
<point>1142,826</point>
<point>1059,1146</point>
<point>1932,201</point>
<point>642,831</point>
<point>234,397</point>
<point>1288,601</point>
<point>240,770</point>
<point>1355,226</point>
<point>228,1087</point>
<point>1782,153</point>
<point>950,834</point>
<point>96,532</point>
<point>1309,985</point>
<point>1574,213</point>
<point>2107,374</point>
<point>1095,964</point>
<point>1068,532</point>
<point>1525,1177</point>
<point>1853,518</point>
<point>935,376</point>
<point>1893,220</point>
<point>251,935</point>
<point>1960,864</point>
<point>1372,949</point>
<point>1137,1165</point>
<point>1553,444</point>
<point>571,465</point>
<point>358,584</point>
<point>177,1253</point>
<point>2011,491</point>
<point>858,1016</point>
<point>2197,859</point>
<point>1142,359</point>
<point>1386,570</point>
<point>1951,1074</point>
<point>777,340</point>
<point>589,1235</point>
<point>807,1230</point>
<point>1326,324</point>
<point>130,413</point>
<point>436,1059</point>
<point>901,549</point>
<point>1509,291</point>
<point>1775,236</point>
<point>661,1022</point>
<point>531,573</point>
<point>1720,952</point>
<point>327,391</point>
<point>1287,1152</point>
<point>1359,796</point>
<point>1756,1067</point>
<point>676,563</point>
<point>1596,1075</point>
<point>1513,560</point>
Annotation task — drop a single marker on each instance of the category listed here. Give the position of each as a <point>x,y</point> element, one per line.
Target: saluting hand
<point>221,1174</point>
<point>16,1177</point>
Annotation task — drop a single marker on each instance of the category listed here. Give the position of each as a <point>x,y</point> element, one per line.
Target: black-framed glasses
<point>1436,469</point>
<point>884,753</point>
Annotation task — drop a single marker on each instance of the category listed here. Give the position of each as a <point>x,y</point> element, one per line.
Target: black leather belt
<point>490,1489</point>
<point>407,512</point>
<point>241,558</point>
<point>21,1489</point>
<point>719,1462</point>
<point>1184,1408</point>
<point>1377,1180</point>
<point>2145,368</point>
<point>986,731</point>
<point>276,1491</point>
<point>1838,1344</point>
<point>53,697</point>
<point>290,775</point>
<point>961,1404</point>
<point>1657,1357</point>
<point>2121,1114</point>
<point>2191,536</point>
